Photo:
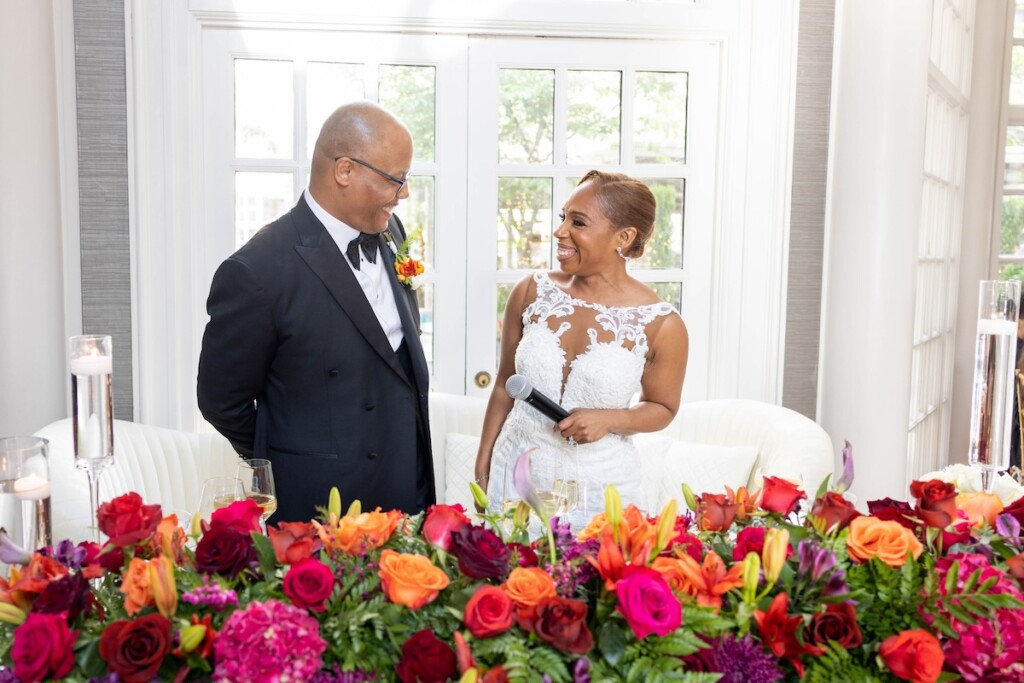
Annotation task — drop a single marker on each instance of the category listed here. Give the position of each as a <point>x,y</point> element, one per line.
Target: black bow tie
<point>368,243</point>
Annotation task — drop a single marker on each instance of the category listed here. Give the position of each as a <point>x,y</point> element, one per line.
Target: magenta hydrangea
<point>268,641</point>
<point>991,649</point>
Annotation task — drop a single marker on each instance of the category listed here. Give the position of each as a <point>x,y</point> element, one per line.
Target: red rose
<point>913,656</point>
<point>834,511</point>
<point>1016,509</point>
<point>224,551</point>
<point>43,648</point>
<point>425,659</point>
<point>293,541</point>
<point>127,521</point>
<point>134,650</point>
<point>524,555</point>
<point>489,612</point>
<point>715,512</point>
<point>839,623</point>
<point>440,522</point>
<point>308,584</point>
<point>781,496</point>
<point>561,623</point>
<point>749,540</point>
<point>241,515</point>
<point>481,553</point>
<point>936,502</point>
<point>889,510</point>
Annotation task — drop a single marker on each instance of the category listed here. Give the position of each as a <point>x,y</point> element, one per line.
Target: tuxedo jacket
<point>296,368</point>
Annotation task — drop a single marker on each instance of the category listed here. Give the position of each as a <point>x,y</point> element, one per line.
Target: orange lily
<point>610,563</point>
<point>163,586</point>
<point>709,581</point>
<point>747,501</point>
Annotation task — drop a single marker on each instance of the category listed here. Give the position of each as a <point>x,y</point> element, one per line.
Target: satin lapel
<point>326,260</point>
<point>406,311</point>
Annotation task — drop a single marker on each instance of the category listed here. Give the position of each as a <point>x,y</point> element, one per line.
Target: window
<point>1011,227</point>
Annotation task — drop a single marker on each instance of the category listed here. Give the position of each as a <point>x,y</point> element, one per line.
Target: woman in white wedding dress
<point>590,337</point>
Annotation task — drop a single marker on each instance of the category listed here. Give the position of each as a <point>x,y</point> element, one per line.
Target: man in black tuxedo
<point>312,356</point>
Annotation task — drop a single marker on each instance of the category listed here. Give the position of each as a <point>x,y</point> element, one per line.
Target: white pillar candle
<point>91,365</point>
<point>31,487</point>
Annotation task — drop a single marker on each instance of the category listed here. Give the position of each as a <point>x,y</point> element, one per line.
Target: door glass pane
<point>259,199</point>
<point>524,223</point>
<point>1017,75</point>
<point>504,290</point>
<point>665,247</point>
<point>1014,169</point>
<point>526,114</point>
<point>410,93</point>
<point>264,103</point>
<point>1018,22</point>
<point>1011,271</point>
<point>671,292</point>
<point>328,86</point>
<point>417,215</point>
<point>659,117</point>
<point>595,117</point>
<point>1011,233</point>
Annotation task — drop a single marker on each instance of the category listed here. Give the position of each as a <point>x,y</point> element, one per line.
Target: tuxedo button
<point>371,456</point>
<point>333,373</point>
<point>369,406</point>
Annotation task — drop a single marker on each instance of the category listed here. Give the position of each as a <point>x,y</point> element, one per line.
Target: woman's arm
<point>500,403</point>
<point>661,389</point>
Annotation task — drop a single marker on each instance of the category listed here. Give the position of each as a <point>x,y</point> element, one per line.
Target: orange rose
<point>594,527</point>
<point>136,586</point>
<point>410,580</point>
<point>913,656</point>
<point>355,534</point>
<point>888,541</point>
<point>527,586</point>
<point>671,569</point>
<point>980,507</point>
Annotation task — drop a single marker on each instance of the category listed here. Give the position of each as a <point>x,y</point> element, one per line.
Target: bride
<point>590,337</point>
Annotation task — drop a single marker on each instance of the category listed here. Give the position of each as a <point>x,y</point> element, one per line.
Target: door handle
<point>482,379</point>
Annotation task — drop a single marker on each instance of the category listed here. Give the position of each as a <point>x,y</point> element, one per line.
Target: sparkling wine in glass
<point>257,479</point>
<point>994,361</point>
<point>219,492</point>
<point>92,409</point>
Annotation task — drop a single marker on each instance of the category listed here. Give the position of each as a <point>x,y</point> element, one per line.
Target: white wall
<point>32,390</point>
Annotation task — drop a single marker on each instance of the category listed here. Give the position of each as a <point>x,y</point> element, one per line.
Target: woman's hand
<point>587,425</point>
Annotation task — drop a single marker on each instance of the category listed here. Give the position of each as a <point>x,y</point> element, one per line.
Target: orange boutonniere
<point>409,270</point>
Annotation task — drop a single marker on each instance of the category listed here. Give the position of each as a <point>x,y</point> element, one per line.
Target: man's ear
<point>343,167</point>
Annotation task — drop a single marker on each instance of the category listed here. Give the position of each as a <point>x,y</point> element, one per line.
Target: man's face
<point>373,197</point>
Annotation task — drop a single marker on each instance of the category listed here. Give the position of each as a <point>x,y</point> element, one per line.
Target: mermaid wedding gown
<point>582,355</point>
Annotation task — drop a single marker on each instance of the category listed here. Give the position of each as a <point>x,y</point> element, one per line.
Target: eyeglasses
<point>397,181</point>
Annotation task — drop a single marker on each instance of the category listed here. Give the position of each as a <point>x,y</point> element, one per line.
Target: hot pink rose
<point>43,648</point>
<point>241,515</point>
<point>308,584</point>
<point>647,602</point>
<point>441,522</point>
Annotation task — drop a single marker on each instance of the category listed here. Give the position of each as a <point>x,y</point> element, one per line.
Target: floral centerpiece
<point>745,586</point>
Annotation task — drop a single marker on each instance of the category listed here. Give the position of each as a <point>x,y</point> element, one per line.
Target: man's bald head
<point>351,131</point>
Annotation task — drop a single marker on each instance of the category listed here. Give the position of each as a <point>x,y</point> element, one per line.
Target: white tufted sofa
<point>709,445</point>
<point>164,466</point>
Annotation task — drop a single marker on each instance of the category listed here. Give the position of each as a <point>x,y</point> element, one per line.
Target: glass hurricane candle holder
<point>92,410</point>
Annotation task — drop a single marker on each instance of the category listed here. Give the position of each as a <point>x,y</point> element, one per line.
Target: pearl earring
<point>618,250</point>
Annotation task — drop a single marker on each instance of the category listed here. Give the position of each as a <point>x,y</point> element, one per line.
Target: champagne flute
<point>219,492</point>
<point>258,485</point>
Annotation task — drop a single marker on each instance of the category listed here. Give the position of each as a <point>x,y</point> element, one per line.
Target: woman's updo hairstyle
<point>626,202</point>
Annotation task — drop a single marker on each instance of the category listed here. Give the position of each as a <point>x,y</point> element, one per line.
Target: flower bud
<point>666,529</point>
<point>355,509</point>
<point>195,527</point>
<point>334,503</point>
<point>751,576</point>
<point>773,555</point>
<point>161,581</point>
<point>192,637</point>
<point>469,677</point>
<point>521,516</point>
<point>479,495</point>
<point>691,500</point>
<point>9,614</point>
<point>613,509</point>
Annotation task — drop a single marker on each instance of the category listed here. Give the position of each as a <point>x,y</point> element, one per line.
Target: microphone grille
<point>518,387</point>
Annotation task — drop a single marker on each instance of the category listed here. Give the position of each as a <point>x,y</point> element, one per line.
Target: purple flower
<point>211,595</point>
<point>836,584</point>
<point>814,561</point>
<point>10,552</point>
<point>69,594</point>
<point>336,675</point>
<point>581,671</point>
<point>1007,526</point>
<point>745,661</point>
<point>7,675</point>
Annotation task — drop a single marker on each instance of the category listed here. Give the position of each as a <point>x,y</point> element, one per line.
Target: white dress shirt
<point>372,277</point>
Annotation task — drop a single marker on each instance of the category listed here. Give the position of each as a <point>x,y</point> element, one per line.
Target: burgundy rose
<point>225,551</point>
<point>838,622</point>
<point>781,496</point>
<point>440,522</point>
<point>561,623</point>
<point>889,510</point>
<point>425,659</point>
<point>524,555</point>
<point>241,515</point>
<point>308,584</point>
<point>134,650</point>
<point>715,512</point>
<point>43,648</point>
<point>749,540</point>
<point>1016,509</point>
<point>936,502</point>
<point>834,511</point>
<point>481,553</point>
<point>69,594</point>
<point>126,520</point>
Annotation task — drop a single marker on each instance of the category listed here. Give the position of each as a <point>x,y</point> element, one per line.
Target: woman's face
<point>586,238</point>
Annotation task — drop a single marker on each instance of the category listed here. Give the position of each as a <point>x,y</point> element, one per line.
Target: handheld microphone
<point>519,388</point>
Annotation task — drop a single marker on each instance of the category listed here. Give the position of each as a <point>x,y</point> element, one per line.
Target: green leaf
<point>952,577</point>
<point>612,641</point>
<point>265,551</point>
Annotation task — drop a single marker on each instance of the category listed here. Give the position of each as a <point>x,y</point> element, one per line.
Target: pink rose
<point>647,602</point>
<point>43,648</point>
<point>308,584</point>
<point>441,522</point>
<point>241,515</point>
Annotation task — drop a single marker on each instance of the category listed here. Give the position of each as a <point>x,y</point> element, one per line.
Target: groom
<point>312,356</point>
